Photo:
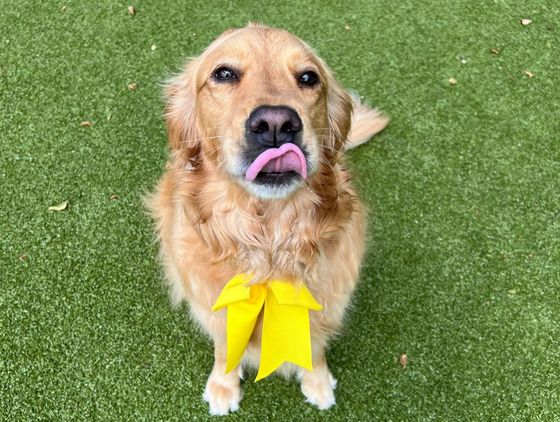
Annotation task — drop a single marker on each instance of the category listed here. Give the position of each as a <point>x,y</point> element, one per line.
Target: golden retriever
<point>256,183</point>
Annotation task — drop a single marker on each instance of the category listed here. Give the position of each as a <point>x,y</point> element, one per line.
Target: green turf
<point>463,268</point>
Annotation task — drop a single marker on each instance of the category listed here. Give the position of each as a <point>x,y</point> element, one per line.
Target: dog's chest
<point>272,242</point>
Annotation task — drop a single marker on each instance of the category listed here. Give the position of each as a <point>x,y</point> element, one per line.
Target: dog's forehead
<point>262,44</point>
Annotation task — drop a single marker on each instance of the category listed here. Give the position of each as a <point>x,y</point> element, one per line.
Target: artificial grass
<point>462,272</point>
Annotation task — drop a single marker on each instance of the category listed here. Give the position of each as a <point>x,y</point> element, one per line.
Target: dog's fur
<point>213,225</point>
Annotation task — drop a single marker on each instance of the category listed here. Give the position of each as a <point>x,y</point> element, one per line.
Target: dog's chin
<point>267,185</point>
<point>274,185</point>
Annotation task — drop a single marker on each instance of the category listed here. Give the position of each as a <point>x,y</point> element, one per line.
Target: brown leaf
<point>23,257</point>
<point>60,207</point>
<point>452,81</point>
<point>114,197</point>
<point>131,10</point>
<point>403,360</point>
<point>495,51</point>
<point>526,22</point>
<point>132,86</point>
<point>528,73</point>
<point>86,123</point>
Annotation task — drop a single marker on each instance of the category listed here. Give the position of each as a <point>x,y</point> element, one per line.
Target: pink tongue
<point>288,161</point>
<point>286,158</point>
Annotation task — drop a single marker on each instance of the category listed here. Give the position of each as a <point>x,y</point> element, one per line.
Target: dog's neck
<point>269,238</point>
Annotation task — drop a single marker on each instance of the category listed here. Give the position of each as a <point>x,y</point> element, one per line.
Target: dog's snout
<point>273,126</point>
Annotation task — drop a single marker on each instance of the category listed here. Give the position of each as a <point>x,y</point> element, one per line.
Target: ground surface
<point>462,272</point>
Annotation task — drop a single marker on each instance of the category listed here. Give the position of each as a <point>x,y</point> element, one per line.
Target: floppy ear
<point>181,118</point>
<point>339,108</point>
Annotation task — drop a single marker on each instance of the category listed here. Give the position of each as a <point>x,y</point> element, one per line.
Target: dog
<point>256,184</point>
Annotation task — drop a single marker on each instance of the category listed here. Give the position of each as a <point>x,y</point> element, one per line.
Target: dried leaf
<point>132,86</point>
<point>528,73</point>
<point>347,27</point>
<point>109,117</point>
<point>23,257</point>
<point>131,10</point>
<point>153,47</point>
<point>512,291</point>
<point>60,207</point>
<point>495,51</point>
<point>526,22</point>
<point>114,197</point>
<point>86,123</point>
<point>403,360</point>
<point>452,81</point>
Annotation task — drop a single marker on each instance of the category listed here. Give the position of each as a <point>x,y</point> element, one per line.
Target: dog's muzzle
<point>274,146</point>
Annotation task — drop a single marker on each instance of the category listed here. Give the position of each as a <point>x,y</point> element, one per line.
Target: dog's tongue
<point>280,160</point>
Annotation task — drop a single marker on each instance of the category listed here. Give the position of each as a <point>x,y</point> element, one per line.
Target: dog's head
<point>258,106</point>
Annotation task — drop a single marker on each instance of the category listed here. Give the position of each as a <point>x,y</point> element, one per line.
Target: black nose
<point>272,126</point>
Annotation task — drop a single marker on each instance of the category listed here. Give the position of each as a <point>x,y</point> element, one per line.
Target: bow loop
<point>234,291</point>
<point>298,295</point>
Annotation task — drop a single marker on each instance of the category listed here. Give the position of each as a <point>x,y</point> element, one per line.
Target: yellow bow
<point>285,330</point>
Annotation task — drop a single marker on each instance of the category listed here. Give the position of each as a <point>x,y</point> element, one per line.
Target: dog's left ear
<point>181,118</point>
<point>339,104</point>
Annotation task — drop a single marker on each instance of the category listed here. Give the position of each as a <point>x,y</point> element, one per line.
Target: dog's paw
<point>222,397</point>
<point>318,389</point>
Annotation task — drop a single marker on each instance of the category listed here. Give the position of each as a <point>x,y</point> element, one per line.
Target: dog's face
<point>259,106</point>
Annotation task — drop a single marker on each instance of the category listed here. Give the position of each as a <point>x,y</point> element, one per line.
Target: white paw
<point>222,397</point>
<point>319,390</point>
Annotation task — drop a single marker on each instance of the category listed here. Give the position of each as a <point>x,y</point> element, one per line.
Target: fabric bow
<point>285,330</point>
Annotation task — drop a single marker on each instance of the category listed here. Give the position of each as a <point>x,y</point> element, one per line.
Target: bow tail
<point>241,320</point>
<point>285,336</point>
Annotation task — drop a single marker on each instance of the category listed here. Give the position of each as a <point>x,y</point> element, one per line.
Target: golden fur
<point>213,226</point>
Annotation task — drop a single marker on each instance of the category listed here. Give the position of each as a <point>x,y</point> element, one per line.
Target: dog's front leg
<point>318,385</point>
<point>223,391</point>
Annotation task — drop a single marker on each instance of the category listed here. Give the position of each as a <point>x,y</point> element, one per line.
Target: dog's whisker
<point>202,139</point>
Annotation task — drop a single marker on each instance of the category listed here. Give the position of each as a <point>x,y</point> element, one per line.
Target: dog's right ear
<point>181,118</point>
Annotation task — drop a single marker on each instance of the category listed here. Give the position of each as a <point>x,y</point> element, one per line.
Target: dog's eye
<point>225,74</point>
<point>308,78</point>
